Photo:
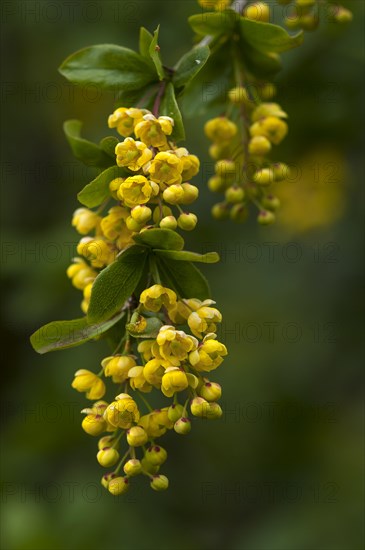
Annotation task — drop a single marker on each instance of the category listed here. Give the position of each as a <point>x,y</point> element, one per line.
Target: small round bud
<point>160,213</point>
<point>266,217</point>
<point>234,194</point>
<point>199,407</point>
<point>220,211</point>
<point>191,193</point>
<point>174,194</point>
<point>267,91</point>
<point>239,213</point>
<point>156,455</point>
<point>106,479</point>
<point>265,176</point>
<point>216,184</point>
<point>309,22</point>
<point>270,202</point>
<point>215,411</point>
<point>159,483</point>
<point>169,222</point>
<point>226,168</point>
<point>218,151</point>
<point>107,457</point>
<point>175,412</point>
<point>93,424</point>
<point>187,221</point>
<point>136,436</point>
<point>259,11</point>
<point>182,426</point>
<point>281,171</point>
<point>292,22</point>
<point>132,467</point>
<point>141,214</point>
<point>106,441</point>
<point>259,145</point>
<point>114,187</point>
<point>148,467</point>
<point>132,224</point>
<point>241,95</point>
<point>342,15</point>
<point>118,485</point>
<point>211,391</point>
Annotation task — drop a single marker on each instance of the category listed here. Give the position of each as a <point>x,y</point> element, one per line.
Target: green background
<point>282,470</point>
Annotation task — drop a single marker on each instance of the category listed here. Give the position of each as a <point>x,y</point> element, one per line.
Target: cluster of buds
<point>176,362</point>
<point>242,170</point>
<point>155,194</point>
<point>305,14</point>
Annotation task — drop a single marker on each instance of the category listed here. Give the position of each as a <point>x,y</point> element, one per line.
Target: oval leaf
<point>154,51</point>
<point>189,65</point>
<point>165,239</point>
<point>145,39</point>
<point>169,107</point>
<point>186,256</point>
<point>213,23</point>
<point>183,277</point>
<point>116,283</point>
<point>97,191</point>
<point>108,145</point>
<point>87,152</point>
<point>108,66</point>
<point>67,334</point>
<point>267,37</point>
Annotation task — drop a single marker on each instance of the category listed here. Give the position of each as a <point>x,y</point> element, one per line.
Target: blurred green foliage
<point>282,470</point>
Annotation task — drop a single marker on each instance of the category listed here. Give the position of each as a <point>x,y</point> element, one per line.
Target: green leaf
<point>109,66</point>
<point>87,152</point>
<point>67,334</point>
<point>213,23</point>
<point>145,39</point>
<point>144,327</point>
<point>169,107</point>
<point>262,65</point>
<point>189,65</point>
<point>108,145</point>
<point>184,278</point>
<point>165,239</point>
<point>154,51</point>
<point>186,256</point>
<point>116,283</point>
<point>97,191</point>
<point>267,37</point>
<point>143,97</point>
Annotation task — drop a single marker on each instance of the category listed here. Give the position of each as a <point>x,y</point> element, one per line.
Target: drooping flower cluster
<point>157,185</point>
<point>175,363</point>
<point>306,14</point>
<point>176,357</point>
<point>240,148</point>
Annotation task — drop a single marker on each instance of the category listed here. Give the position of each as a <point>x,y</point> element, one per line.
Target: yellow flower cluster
<point>174,362</point>
<point>305,14</point>
<point>158,182</point>
<point>240,148</point>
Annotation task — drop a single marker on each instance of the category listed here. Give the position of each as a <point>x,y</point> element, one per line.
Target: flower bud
<point>342,15</point>
<point>136,436</point>
<point>187,221</point>
<point>259,11</point>
<point>182,426</point>
<point>267,91</point>
<point>234,194</point>
<point>159,483</point>
<point>266,217</point>
<point>265,176</point>
<point>270,202</point>
<point>241,95</point>
<point>106,441</point>
<point>141,214</point>
<point>114,187</point>
<point>216,184</point>
<point>148,467</point>
<point>132,467</point>
<point>118,485</point>
<point>211,391</point>
<point>174,194</point>
<point>215,411</point>
<point>309,22</point>
<point>133,225</point>
<point>199,407</point>
<point>175,412</point>
<point>259,145</point>
<point>239,213</point>
<point>105,480</point>
<point>160,213</point>
<point>191,193</point>
<point>156,455</point>
<point>226,168</point>
<point>220,211</point>
<point>281,171</point>
<point>107,457</point>
<point>169,222</point>
<point>94,424</point>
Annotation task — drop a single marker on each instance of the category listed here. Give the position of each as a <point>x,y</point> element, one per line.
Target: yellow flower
<point>191,163</point>
<point>153,131</point>
<point>137,436</point>
<point>209,355</point>
<point>114,186</point>
<point>166,169</point>
<point>173,346</point>
<point>174,380</point>
<point>203,320</point>
<point>145,349</point>
<point>157,296</point>
<point>94,423</point>
<point>179,312</point>
<point>215,4</point>
<point>220,129</point>
<point>123,412</point>
<point>259,145</point>
<point>153,372</point>
<point>97,251</point>
<point>124,120</point>
<point>113,225</point>
<point>132,154</point>
<point>80,273</point>
<point>135,190</point>
<point>156,422</point>
<point>138,381</point>
<point>89,382</point>
<point>270,127</point>
<point>87,295</point>
<point>85,220</point>
<point>117,366</point>
<point>268,109</point>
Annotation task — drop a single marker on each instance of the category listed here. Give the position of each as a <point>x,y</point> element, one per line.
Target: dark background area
<point>283,468</point>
